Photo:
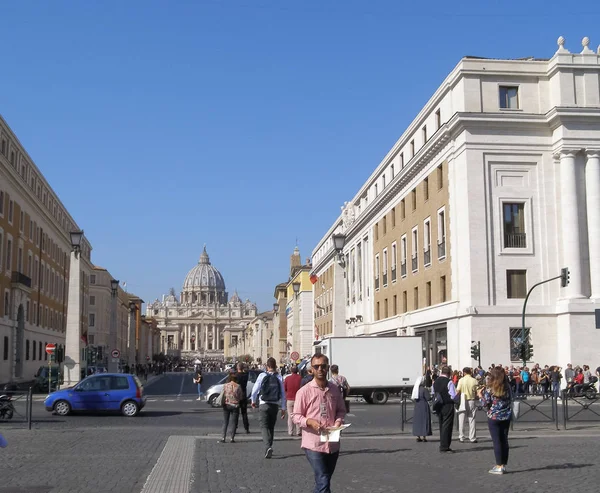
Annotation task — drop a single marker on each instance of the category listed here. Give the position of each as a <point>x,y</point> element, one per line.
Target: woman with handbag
<point>198,382</point>
<point>497,398</point>
<point>230,400</point>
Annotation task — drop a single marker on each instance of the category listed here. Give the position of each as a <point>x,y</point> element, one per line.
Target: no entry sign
<point>50,348</point>
<point>115,353</point>
<point>294,356</point>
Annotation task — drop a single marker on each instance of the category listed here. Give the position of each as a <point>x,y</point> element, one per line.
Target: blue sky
<point>241,124</point>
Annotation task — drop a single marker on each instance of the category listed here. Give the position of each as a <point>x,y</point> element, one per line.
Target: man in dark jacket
<point>242,380</point>
<point>444,386</point>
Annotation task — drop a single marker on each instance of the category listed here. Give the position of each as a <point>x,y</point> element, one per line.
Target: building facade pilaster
<point>592,192</point>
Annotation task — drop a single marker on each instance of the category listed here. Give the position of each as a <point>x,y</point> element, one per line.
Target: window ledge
<point>511,109</point>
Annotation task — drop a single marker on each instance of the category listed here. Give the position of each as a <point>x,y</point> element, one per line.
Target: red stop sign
<point>50,348</point>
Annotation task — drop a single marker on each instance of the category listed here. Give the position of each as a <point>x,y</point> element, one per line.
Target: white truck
<point>375,366</point>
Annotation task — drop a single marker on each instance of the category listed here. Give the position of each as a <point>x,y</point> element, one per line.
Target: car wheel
<point>62,408</point>
<point>380,397</point>
<point>590,394</point>
<point>212,399</point>
<point>130,408</point>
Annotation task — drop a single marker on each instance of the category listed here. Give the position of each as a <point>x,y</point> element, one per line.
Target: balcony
<point>403,268</point>
<point>20,278</point>
<point>385,280</point>
<point>427,256</point>
<point>515,240</point>
<point>441,249</point>
<point>394,274</point>
<point>415,263</point>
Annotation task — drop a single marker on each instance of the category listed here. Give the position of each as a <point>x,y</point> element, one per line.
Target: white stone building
<point>494,187</point>
<point>203,320</point>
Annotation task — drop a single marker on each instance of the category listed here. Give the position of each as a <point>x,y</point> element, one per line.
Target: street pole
<point>113,366</point>
<point>479,353</point>
<point>72,362</point>
<point>523,315</point>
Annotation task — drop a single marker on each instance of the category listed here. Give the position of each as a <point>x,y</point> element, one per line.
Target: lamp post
<point>339,291</point>
<point>278,326</point>
<point>296,319</point>
<point>72,361</point>
<point>113,363</point>
<point>131,349</point>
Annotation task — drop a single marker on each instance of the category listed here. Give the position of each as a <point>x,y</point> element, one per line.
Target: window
<point>384,225</point>
<point>92,300</point>
<point>34,350</point>
<point>438,119</point>
<point>440,176</point>
<point>376,190</point>
<point>443,289</point>
<point>11,206</point>
<point>1,203</point>
<point>6,305</point>
<point>119,383</point>
<point>405,301</point>
<point>92,322</point>
<point>414,199</point>
<point>516,283</point>
<point>377,311</point>
<point>412,148</point>
<point>427,242</point>
<point>428,293</point>
<point>385,267</point>
<point>441,225</point>
<point>394,253</point>
<point>27,349</point>
<point>395,305</point>
<point>9,255</point>
<point>401,160</point>
<point>509,97</point>
<point>416,298</point>
<point>5,348</point>
<point>392,171</point>
<point>21,221</point>
<point>426,189</point>
<point>383,181</point>
<point>377,271</point>
<point>516,340</point>
<point>385,308</point>
<point>424,132</point>
<point>514,225</point>
<point>404,254</point>
<point>415,249</point>
<point>40,351</point>
<point>402,209</point>
<point>3,147</point>
<point>376,231</point>
<point>393,216</point>
<point>93,279</point>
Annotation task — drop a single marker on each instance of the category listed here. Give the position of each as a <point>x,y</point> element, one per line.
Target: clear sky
<point>242,124</point>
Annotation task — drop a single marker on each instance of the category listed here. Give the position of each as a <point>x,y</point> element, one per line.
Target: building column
<point>592,192</point>
<point>214,335</point>
<point>204,328</point>
<point>570,222</point>
<point>196,333</point>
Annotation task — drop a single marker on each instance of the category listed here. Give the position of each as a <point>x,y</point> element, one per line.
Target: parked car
<point>213,392</point>
<point>40,384</point>
<point>100,392</point>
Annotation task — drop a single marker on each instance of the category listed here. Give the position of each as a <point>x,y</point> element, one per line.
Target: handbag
<point>462,407</point>
<point>437,403</point>
<point>219,399</point>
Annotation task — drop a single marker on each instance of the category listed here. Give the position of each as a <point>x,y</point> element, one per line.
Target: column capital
<point>592,153</point>
<point>566,152</point>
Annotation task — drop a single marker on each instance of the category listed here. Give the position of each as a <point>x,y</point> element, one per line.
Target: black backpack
<point>270,389</point>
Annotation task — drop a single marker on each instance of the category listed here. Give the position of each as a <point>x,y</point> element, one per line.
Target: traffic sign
<point>50,348</point>
<point>294,356</point>
<point>115,353</point>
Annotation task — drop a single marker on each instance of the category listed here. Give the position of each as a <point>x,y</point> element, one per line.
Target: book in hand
<point>333,433</point>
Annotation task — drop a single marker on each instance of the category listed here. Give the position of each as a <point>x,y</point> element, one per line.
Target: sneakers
<point>497,470</point>
<point>199,399</point>
<point>269,453</point>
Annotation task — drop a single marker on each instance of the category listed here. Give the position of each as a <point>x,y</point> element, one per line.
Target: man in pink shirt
<point>319,405</point>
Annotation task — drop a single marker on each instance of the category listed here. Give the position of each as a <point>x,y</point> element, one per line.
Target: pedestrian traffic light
<point>526,351</point>
<point>476,351</point>
<point>564,277</point>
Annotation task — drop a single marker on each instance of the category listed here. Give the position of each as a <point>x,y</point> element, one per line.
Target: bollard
<point>29,406</point>
<point>402,410</point>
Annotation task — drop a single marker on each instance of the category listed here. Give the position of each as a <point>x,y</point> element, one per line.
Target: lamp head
<point>114,285</point>
<point>296,287</point>
<point>339,240</point>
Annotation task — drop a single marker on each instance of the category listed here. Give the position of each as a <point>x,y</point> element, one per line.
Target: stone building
<point>493,187</point>
<point>203,319</point>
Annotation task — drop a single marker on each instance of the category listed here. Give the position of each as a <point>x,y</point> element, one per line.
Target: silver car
<point>213,392</point>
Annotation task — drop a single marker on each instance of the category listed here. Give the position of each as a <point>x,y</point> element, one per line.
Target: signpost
<point>116,354</point>
<point>50,349</point>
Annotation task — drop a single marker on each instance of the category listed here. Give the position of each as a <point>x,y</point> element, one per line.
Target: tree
<point>246,358</point>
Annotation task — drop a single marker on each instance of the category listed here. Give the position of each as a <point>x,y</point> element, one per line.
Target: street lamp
<point>131,339</point>
<point>296,287</point>
<point>113,363</point>
<point>339,240</point>
<point>275,307</point>
<point>72,361</point>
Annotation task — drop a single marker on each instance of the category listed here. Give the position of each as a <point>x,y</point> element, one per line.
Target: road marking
<point>169,400</point>
<point>172,472</point>
<point>187,400</point>
<point>353,415</point>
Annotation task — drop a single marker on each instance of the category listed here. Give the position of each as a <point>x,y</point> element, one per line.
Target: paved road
<point>110,453</point>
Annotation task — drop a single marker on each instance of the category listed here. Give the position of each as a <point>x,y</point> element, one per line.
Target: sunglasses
<point>322,367</point>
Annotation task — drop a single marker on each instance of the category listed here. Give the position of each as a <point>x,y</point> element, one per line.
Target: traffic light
<point>564,277</point>
<point>526,351</point>
<point>475,351</point>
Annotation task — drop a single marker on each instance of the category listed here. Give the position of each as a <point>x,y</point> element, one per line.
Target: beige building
<point>34,263</point>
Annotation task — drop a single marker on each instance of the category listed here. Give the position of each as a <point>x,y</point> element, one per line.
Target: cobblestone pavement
<point>96,453</point>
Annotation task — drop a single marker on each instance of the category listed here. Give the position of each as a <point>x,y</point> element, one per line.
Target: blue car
<point>100,392</point>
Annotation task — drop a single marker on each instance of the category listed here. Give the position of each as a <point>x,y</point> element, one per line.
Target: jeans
<point>323,465</point>
<point>235,413</point>
<point>499,434</point>
<point>556,389</point>
<point>267,418</point>
<point>199,390</point>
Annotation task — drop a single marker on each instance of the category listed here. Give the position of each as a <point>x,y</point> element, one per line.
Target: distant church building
<point>195,324</point>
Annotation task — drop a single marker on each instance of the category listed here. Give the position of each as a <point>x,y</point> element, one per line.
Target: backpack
<point>340,386</point>
<point>270,389</point>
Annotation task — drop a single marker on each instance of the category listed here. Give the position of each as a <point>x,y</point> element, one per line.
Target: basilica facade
<point>203,319</point>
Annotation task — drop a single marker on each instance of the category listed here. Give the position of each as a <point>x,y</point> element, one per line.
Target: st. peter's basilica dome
<point>204,277</point>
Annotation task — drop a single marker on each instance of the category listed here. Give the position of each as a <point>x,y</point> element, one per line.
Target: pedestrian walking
<point>242,380</point>
<point>198,382</point>
<point>319,406</point>
<point>342,384</point>
<point>422,413</point>
<point>232,395</point>
<point>268,395</point>
<point>291,384</point>
<point>447,395</point>
<point>467,389</point>
<point>496,398</point>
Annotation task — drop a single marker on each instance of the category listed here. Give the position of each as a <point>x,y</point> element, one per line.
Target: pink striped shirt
<point>308,405</point>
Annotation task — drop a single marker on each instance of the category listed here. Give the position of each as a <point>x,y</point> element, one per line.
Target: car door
<point>105,394</point>
<point>119,391</point>
<point>86,395</point>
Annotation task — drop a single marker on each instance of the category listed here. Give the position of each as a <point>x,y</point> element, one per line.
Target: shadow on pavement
<point>374,451</point>
<point>555,467</point>
<point>157,414</point>
<point>481,449</point>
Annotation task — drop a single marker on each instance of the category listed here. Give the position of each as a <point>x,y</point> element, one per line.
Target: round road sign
<point>115,353</point>
<point>50,348</point>
<point>294,356</point>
